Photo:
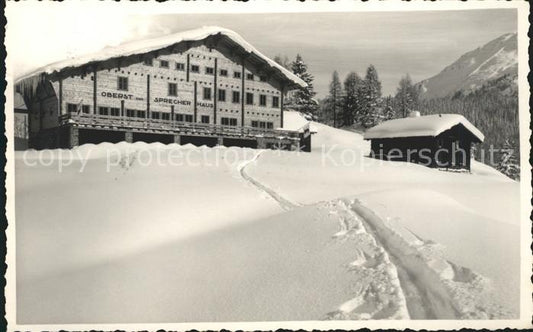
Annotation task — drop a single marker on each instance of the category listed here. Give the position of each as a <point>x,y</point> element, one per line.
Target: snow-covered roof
<point>428,125</point>
<point>148,45</point>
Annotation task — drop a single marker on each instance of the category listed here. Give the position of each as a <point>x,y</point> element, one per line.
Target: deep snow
<point>239,234</point>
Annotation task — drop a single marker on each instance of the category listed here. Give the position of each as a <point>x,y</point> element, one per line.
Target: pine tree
<point>407,96</point>
<point>302,99</point>
<point>351,102</point>
<point>509,165</point>
<point>335,97</point>
<point>388,108</point>
<point>371,112</point>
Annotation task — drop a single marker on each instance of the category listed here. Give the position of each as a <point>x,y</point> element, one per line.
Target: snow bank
<point>427,125</point>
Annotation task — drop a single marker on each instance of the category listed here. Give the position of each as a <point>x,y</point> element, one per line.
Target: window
<point>179,117</point>
<point>185,117</point>
<point>195,68</point>
<point>250,77</point>
<point>262,100</point>
<point>115,111</point>
<point>141,114</point>
<point>236,97</point>
<point>262,78</point>
<point>163,64</point>
<point>148,62</point>
<point>130,113</point>
<point>236,74</point>
<point>123,83</point>
<point>209,70</point>
<point>72,108</point>
<point>207,93</point>
<point>221,95</point>
<point>275,101</point>
<point>262,124</point>
<point>86,109</point>
<point>180,66</point>
<point>223,72</point>
<point>156,115</point>
<point>255,124</point>
<point>188,118</point>
<point>172,89</point>
<point>249,98</point>
<point>205,119</point>
<point>270,125</point>
<point>103,110</point>
<point>165,116</point>
<point>228,121</point>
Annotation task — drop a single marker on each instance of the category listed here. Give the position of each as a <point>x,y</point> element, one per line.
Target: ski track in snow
<point>283,202</point>
<point>397,278</point>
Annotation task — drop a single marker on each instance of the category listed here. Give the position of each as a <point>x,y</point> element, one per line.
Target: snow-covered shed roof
<point>148,45</point>
<point>427,125</point>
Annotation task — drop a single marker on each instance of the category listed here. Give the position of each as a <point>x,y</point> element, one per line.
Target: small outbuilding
<point>440,140</point>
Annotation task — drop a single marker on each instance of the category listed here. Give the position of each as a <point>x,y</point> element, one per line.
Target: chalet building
<point>206,87</point>
<point>441,140</point>
<point>21,122</point>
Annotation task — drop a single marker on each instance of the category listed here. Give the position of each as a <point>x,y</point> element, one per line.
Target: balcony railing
<point>96,120</point>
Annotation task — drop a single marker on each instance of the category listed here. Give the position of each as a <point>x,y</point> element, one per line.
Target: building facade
<point>207,88</point>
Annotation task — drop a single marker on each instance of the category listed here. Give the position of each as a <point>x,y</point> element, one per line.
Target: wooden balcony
<point>175,127</point>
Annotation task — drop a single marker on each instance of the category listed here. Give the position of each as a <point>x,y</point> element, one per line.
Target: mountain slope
<point>471,70</point>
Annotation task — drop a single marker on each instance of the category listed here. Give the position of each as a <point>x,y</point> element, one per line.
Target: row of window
<point>236,97</point>
<point>263,124</point>
<point>132,113</point>
<point>196,69</point>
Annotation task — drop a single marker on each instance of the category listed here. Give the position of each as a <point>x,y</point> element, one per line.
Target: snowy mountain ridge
<point>495,59</point>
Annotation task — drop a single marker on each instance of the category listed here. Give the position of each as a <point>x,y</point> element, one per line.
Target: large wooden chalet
<point>441,140</point>
<point>206,87</point>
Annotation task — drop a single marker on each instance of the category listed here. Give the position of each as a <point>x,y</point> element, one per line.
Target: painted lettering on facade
<point>118,95</point>
<point>172,101</point>
<point>210,105</point>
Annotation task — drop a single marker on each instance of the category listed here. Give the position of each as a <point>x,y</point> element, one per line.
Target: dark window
<point>236,74</point>
<point>262,124</point>
<point>86,109</point>
<point>209,70</point>
<point>262,78</point>
<point>228,121</point>
<point>155,115</point>
<point>205,119</point>
<point>255,124</point>
<point>164,64</point>
<point>103,110</point>
<point>250,77</point>
<point>172,89</point>
<point>221,95</point>
<point>249,98</point>
<point>123,83</point>
<point>275,101</point>
<point>188,118</point>
<point>195,68</point>
<point>165,116</point>
<point>148,62</point>
<point>223,72</point>
<point>115,111</point>
<point>207,93</point>
<point>236,98</point>
<point>262,100</point>
<point>270,125</point>
<point>180,66</point>
<point>141,114</point>
<point>72,108</point>
<point>179,117</point>
<point>130,113</point>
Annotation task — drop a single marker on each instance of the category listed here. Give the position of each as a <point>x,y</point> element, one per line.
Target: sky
<point>420,43</point>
